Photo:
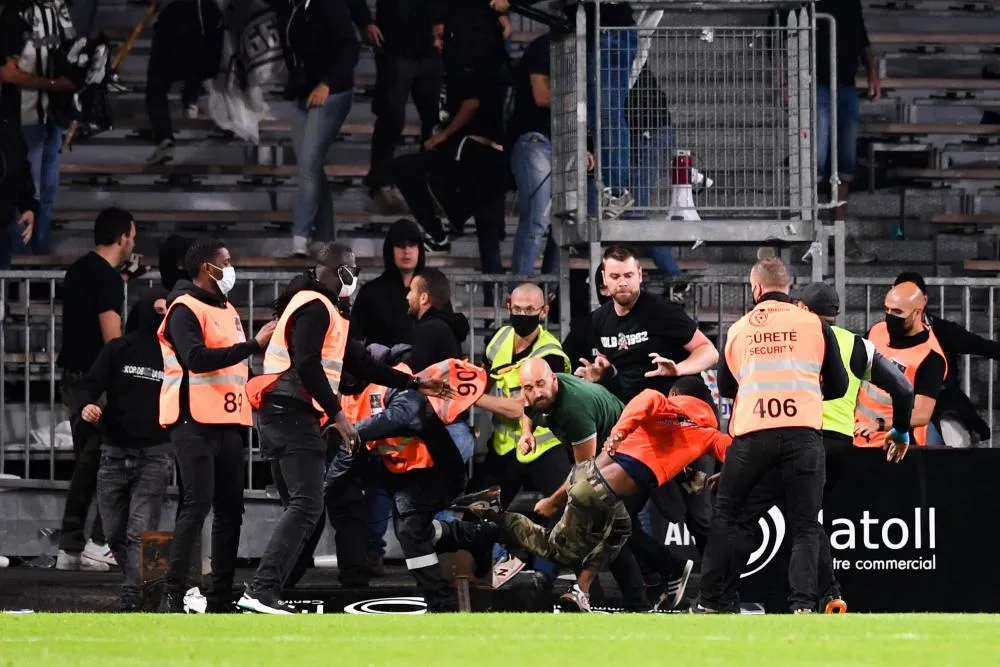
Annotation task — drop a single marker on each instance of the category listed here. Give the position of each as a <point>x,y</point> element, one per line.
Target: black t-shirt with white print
<point>654,324</point>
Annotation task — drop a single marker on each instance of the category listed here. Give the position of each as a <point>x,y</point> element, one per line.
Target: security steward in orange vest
<point>781,362</point>
<point>201,401</point>
<point>907,342</point>
<point>425,471</point>
<point>297,392</point>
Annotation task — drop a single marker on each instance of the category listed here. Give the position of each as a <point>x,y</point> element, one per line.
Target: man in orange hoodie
<point>655,438</point>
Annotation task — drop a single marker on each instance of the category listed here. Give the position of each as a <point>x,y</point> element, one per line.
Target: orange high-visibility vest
<point>468,381</point>
<point>776,352</point>
<point>277,359</point>
<point>215,397</point>
<point>875,404</point>
<point>400,454</point>
<point>668,434</point>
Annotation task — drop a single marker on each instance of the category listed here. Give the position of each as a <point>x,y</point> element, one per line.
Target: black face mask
<point>524,325</point>
<point>896,326</point>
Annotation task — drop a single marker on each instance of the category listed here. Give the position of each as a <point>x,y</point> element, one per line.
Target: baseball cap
<point>820,298</point>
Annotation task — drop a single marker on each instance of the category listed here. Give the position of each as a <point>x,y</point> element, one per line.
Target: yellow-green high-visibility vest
<point>838,414</point>
<point>507,383</point>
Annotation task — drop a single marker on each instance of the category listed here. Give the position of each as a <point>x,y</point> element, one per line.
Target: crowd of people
<point>362,410</point>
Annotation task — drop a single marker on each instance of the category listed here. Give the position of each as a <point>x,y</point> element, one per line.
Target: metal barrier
<point>34,442</point>
<point>971,302</point>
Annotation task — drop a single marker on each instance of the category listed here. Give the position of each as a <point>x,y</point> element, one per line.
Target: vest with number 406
<point>776,352</point>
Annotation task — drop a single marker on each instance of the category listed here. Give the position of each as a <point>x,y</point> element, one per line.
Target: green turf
<point>511,640</point>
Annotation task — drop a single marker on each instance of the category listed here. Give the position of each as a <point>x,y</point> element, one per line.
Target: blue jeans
<point>316,131</point>
<point>531,162</point>
<point>848,114</point>
<point>618,49</point>
<point>651,153</point>
<point>131,486</point>
<point>379,506</point>
<point>461,435</point>
<point>44,142</point>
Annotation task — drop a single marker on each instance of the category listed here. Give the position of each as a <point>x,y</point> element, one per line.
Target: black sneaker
<point>674,592</point>
<point>172,603</point>
<point>483,500</point>
<point>127,605</point>
<point>264,603</point>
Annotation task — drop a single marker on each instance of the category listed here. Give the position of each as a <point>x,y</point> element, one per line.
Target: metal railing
<point>35,441</point>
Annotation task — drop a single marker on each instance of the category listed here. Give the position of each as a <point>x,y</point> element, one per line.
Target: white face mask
<point>227,281</point>
<point>347,288</point>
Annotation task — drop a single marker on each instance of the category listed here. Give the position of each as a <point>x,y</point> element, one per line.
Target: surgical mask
<point>228,280</point>
<point>347,288</point>
<point>896,326</point>
<point>524,325</point>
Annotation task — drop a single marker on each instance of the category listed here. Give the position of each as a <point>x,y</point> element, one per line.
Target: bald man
<point>545,467</point>
<point>904,338</point>
<point>781,362</point>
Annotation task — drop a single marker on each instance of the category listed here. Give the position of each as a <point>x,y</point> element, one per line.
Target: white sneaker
<point>300,246</point>
<point>195,602</point>
<point>4,562</point>
<point>574,600</point>
<point>73,562</point>
<point>505,570</point>
<point>163,154</point>
<point>191,111</point>
<point>99,552</point>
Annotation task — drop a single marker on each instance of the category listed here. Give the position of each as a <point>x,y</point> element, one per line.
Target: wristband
<point>881,424</point>
<point>903,437</point>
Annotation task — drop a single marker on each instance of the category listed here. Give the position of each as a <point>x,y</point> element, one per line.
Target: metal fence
<point>735,91</point>
<point>35,437</point>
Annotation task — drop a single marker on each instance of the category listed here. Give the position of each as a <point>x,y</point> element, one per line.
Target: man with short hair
<point>379,314</point>
<point>93,299</point>
<point>202,402</point>
<point>439,332</point>
<point>544,468</point>
<point>781,363</point>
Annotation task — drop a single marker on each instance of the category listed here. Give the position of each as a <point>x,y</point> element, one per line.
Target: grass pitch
<point>511,640</point>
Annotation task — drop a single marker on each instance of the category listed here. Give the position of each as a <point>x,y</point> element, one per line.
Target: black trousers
<point>83,484</point>
<point>348,514</point>
<point>651,553</point>
<point>396,79</point>
<point>202,37</point>
<point>417,497</point>
<point>291,439</point>
<point>837,449</point>
<point>474,186</point>
<point>747,487</point>
<point>211,463</point>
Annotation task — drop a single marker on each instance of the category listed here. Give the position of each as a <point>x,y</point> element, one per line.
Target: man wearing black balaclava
<point>136,455</point>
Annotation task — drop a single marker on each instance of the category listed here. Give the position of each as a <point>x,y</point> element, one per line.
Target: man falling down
<point>655,438</point>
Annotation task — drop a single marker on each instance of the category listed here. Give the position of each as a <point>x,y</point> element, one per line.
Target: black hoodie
<point>439,335</point>
<point>379,314</point>
<point>130,371</point>
<point>185,335</point>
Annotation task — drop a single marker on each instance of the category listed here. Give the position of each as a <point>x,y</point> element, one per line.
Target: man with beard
<point>645,341</point>
<point>637,333</point>
<point>906,340</point>
<point>595,524</point>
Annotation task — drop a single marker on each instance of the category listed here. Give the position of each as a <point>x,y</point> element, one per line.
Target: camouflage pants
<point>592,530</point>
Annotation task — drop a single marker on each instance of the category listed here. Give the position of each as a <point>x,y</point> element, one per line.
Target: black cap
<point>820,298</point>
